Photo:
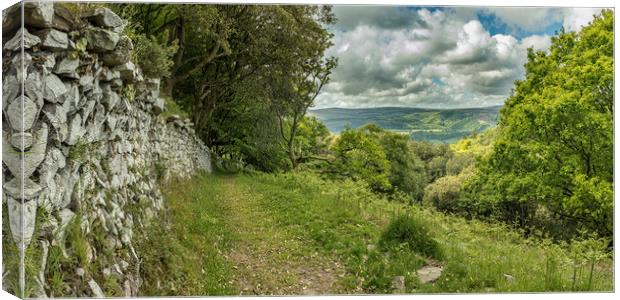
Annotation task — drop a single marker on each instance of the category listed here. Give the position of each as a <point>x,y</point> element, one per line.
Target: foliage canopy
<point>554,147</point>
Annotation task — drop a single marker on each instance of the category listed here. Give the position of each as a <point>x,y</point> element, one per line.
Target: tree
<point>241,69</point>
<point>172,24</point>
<point>407,172</point>
<point>359,157</point>
<point>301,72</point>
<point>434,156</point>
<point>297,97</point>
<point>554,148</point>
<point>312,140</point>
<point>381,158</point>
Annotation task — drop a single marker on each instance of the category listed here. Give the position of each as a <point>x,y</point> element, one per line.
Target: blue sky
<point>496,25</point>
<point>436,57</point>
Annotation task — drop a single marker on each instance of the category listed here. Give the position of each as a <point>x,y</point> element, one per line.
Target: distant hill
<point>434,125</point>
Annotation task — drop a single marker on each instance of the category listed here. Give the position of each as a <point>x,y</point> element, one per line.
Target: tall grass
<point>376,240</point>
<point>346,218</point>
<point>182,250</point>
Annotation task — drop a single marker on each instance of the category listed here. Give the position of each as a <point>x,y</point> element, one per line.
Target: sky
<point>436,57</point>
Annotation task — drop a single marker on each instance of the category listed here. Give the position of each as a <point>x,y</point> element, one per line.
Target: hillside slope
<point>435,125</point>
<point>297,234</point>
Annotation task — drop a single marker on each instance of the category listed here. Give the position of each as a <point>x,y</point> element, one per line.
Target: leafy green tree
<point>198,33</point>
<point>298,96</point>
<point>360,157</point>
<point>387,154</point>
<point>407,172</point>
<point>312,140</point>
<point>458,162</point>
<point>242,70</point>
<point>155,58</point>
<point>434,156</point>
<point>554,148</point>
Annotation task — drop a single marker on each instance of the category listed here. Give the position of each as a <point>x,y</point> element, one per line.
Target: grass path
<point>269,260</point>
<point>295,234</point>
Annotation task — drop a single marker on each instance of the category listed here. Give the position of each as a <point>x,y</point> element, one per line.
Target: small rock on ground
<point>429,273</point>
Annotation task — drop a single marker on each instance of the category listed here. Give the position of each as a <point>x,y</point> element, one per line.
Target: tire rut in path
<point>267,259</point>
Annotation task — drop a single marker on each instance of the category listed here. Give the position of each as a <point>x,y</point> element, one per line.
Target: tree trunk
<point>291,150</point>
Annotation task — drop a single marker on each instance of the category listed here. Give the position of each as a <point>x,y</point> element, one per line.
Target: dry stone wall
<point>84,141</point>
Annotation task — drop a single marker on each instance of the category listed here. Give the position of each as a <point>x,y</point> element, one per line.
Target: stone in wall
<point>53,39</point>
<point>38,14</point>
<point>29,41</point>
<point>101,40</point>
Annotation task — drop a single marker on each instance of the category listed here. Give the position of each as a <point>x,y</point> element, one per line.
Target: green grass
<point>182,249</point>
<point>172,108</point>
<point>345,218</point>
<point>11,258</point>
<point>283,222</point>
<point>412,233</point>
<point>334,220</point>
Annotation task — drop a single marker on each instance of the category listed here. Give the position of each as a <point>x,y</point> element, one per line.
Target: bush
<point>413,233</point>
<point>459,162</point>
<point>445,193</point>
<point>228,159</point>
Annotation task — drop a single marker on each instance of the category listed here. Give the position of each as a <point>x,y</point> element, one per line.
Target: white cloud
<point>575,18</point>
<point>536,18</point>
<point>538,42</point>
<point>439,58</point>
<point>527,18</point>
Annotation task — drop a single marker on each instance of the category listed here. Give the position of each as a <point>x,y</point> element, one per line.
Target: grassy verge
<point>182,250</point>
<point>191,250</point>
<point>477,257</point>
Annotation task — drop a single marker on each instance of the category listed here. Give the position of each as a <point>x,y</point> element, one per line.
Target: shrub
<point>459,162</point>
<point>228,159</point>
<point>413,233</point>
<point>445,193</point>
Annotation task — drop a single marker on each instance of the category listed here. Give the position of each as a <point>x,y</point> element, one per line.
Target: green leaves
<point>555,142</point>
<point>153,56</point>
<point>380,158</point>
<point>360,157</point>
